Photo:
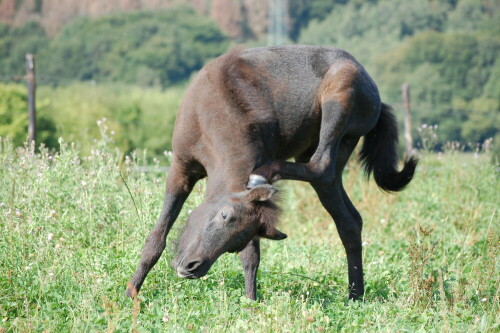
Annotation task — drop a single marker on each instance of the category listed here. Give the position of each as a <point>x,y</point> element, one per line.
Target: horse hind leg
<point>347,219</point>
<point>336,97</point>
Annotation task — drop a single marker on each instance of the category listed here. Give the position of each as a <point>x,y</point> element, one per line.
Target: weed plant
<point>72,227</point>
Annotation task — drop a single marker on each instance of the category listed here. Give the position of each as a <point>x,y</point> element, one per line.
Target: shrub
<point>14,117</point>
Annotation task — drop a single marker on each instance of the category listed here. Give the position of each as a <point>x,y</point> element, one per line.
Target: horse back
<point>264,101</point>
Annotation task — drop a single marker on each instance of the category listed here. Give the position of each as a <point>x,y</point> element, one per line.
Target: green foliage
<point>14,117</point>
<point>13,113</point>
<point>370,28</point>
<point>450,75</point>
<point>38,6</point>
<point>139,117</point>
<point>71,239</point>
<point>15,42</point>
<point>146,48</point>
<point>303,11</point>
<point>17,4</point>
<point>447,51</point>
<point>475,15</point>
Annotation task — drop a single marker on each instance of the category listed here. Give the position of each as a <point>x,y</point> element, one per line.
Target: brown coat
<point>248,112</point>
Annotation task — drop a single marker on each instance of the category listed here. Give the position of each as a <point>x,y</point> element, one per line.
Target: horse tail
<point>379,154</point>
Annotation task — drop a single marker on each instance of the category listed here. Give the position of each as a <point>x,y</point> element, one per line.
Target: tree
<point>15,42</point>
<point>143,47</point>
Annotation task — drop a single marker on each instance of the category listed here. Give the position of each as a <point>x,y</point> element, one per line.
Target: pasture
<point>72,227</point>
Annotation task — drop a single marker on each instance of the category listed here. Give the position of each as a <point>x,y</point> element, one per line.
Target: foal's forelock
<point>268,212</point>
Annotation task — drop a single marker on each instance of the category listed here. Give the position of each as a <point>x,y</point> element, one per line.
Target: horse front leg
<point>250,259</point>
<point>179,185</point>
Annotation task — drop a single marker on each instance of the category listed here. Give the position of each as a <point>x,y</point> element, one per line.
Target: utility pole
<point>405,90</point>
<point>277,22</point>
<point>31,81</point>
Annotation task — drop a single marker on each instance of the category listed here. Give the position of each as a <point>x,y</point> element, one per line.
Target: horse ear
<point>270,232</point>
<point>259,193</point>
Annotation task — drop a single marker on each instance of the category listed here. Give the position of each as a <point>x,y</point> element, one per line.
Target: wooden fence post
<point>31,80</point>
<point>405,89</point>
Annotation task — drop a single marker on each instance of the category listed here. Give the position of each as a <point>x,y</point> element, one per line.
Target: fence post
<point>31,81</point>
<point>405,89</point>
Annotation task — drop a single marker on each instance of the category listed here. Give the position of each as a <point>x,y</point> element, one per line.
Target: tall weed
<point>73,225</point>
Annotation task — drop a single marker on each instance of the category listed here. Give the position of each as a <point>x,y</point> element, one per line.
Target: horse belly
<point>299,131</point>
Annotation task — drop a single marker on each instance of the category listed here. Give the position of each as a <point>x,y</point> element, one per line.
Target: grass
<point>71,239</point>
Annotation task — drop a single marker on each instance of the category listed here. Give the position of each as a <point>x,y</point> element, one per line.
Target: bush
<point>14,117</point>
<point>138,117</point>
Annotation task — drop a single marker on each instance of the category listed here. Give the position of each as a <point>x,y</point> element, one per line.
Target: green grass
<point>71,238</point>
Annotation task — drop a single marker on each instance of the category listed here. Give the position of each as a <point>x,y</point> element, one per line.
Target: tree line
<point>144,48</point>
<point>447,50</point>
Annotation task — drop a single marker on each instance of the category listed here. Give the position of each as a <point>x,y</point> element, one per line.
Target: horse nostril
<point>193,265</point>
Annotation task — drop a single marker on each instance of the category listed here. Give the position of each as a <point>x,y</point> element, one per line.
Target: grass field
<point>71,235</point>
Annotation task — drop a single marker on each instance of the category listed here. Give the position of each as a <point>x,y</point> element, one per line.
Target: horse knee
<point>324,171</point>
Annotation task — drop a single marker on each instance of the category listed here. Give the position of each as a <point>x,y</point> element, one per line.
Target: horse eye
<point>223,214</point>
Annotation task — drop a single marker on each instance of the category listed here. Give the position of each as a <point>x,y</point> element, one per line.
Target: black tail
<point>379,154</point>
